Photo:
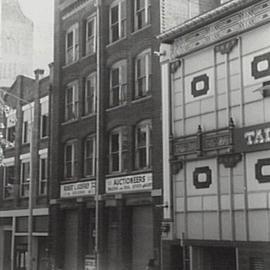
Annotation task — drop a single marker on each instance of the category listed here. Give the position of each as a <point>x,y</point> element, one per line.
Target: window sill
<point>116,107</point>
<point>70,122</point>
<point>88,178</point>
<point>141,29</point>
<point>88,116</point>
<point>116,174</point>
<point>70,64</point>
<point>68,181</point>
<point>86,56</point>
<point>44,138</point>
<point>115,42</point>
<point>139,99</point>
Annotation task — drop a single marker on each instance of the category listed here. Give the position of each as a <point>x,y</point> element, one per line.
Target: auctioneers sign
<point>78,189</point>
<point>131,183</point>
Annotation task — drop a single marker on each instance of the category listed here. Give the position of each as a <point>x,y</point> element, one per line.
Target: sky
<point>41,13</point>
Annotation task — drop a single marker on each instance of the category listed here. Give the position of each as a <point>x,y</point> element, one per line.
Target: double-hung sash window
<point>9,178</point>
<point>69,160</point>
<point>25,177</point>
<point>44,121</point>
<point>90,94</point>
<point>11,123</point>
<point>118,83</point>
<point>141,13</point>
<point>90,45</point>
<point>89,156</point>
<point>71,101</point>
<point>143,145</point>
<point>28,116</point>
<point>43,173</point>
<point>72,44</point>
<point>118,18</point>
<point>143,74</point>
<point>118,150</point>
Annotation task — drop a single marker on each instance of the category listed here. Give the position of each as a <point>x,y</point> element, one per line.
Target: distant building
<point>216,139</point>
<point>26,122</point>
<point>16,43</point>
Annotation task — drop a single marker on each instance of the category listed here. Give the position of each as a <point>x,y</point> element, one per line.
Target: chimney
<point>39,74</point>
<point>51,72</point>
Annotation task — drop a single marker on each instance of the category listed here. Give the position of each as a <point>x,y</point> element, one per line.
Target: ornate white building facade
<point>216,138</point>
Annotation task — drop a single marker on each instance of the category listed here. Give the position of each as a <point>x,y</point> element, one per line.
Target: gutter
<point>204,19</point>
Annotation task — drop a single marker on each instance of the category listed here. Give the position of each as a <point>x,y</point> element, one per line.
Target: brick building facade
<point>25,135</point>
<point>122,93</point>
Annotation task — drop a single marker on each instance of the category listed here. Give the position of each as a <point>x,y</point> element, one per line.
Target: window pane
<point>115,162</point>
<point>115,143</point>
<point>70,39</point>
<point>114,14</point>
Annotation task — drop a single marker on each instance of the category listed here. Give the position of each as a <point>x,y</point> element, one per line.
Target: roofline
<point>204,19</point>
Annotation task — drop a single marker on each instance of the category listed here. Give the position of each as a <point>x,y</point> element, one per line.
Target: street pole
<point>97,251</point>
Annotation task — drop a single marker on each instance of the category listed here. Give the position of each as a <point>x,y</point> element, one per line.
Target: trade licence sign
<point>78,189</point>
<point>130,183</point>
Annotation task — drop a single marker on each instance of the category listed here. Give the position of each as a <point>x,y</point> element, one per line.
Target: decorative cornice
<point>77,6</point>
<point>217,28</point>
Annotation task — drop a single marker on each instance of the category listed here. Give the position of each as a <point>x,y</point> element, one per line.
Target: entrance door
<point>7,250</point>
<point>213,258</point>
<point>142,237</point>
<point>21,257</point>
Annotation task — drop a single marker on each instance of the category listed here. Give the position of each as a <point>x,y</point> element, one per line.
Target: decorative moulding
<point>234,24</point>
<point>226,47</point>
<point>260,66</point>
<point>208,177</point>
<point>230,160</point>
<point>260,176</point>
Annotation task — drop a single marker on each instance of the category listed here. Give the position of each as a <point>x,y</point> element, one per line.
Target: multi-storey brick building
<point>24,139</point>
<point>107,89</point>
<point>216,117</point>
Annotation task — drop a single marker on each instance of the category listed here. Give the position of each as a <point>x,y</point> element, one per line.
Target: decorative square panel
<point>260,66</point>
<point>202,177</point>
<point>200,85</point>
<point>262,170</point>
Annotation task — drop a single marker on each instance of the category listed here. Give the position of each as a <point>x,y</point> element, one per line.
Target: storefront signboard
<point>130,183</point>
<point>89,263</point>
<point>253,138</point>
<point>78,189</point>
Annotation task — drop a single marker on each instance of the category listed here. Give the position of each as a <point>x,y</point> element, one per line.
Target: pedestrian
<point>150,264</point>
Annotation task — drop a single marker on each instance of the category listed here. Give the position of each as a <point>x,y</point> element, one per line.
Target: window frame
<point>43,116</point>
<point>92,38</point>
<point>74,87</point>
<point>147,18</point>
<point>25,183</point>
<point>6,187</point>
<point>93,79</point>
<point>121,23</point>
<point>121,66</point>
<point>42,180</point>
<point>148,145</point>
<point>91,157</point>
<point>11,128</point>
<point>74,49</point>
<point>27,122</point>
<point>121,151</point>
<point>72,162</point>
<point>146,56</point>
